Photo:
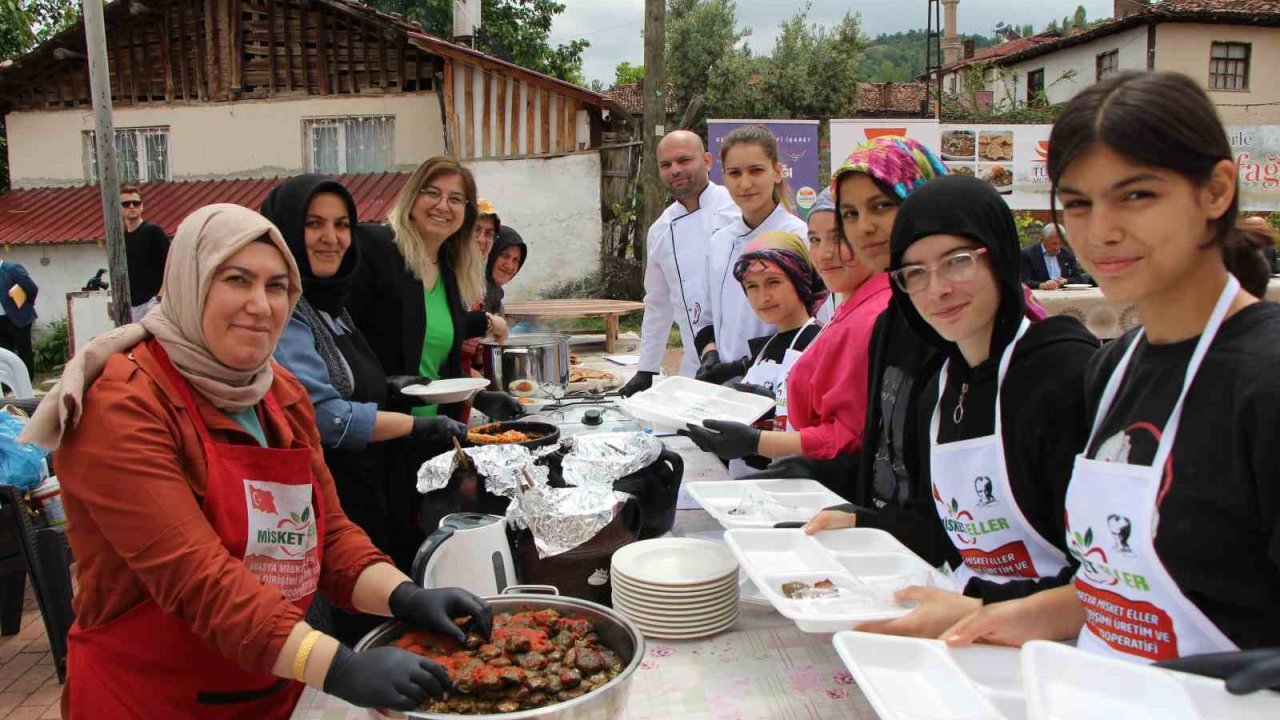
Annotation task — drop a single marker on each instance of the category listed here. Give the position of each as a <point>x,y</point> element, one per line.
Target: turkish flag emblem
<point>262,500</point>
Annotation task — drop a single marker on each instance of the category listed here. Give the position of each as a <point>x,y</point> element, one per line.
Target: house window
<point>350,144</point>
<point>1035,86</point>
<point>1229,66</point>
<point>142,155</point>
<point>1108,64</point>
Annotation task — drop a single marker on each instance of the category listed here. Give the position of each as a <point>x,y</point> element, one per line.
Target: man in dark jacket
<point>146,246</point>
<point>1050,265</point>
<point>17,311</point>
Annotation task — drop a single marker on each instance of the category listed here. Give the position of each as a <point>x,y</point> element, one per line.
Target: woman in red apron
<point>1004,416</point>
<point>1173,510</point>
<point>200,511</point>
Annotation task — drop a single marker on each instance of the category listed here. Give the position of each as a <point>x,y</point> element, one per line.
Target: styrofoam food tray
<point>678,402</point>
<point>866,565</point>
<point>913,679</point>
<point>762,503</point>
<point>1064,682</point>
<point>449,390</point>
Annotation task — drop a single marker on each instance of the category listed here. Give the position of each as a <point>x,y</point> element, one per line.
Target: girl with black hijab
<point>332,360</point>
<point>1001,421</point>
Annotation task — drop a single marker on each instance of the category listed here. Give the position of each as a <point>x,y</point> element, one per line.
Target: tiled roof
<point>42,216</point>
<point>1225,12</point>
<point>901,98</point>
<point>1004,49</point>
<point>631,98</point>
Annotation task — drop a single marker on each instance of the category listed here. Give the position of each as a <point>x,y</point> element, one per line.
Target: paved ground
<point>29,686</point>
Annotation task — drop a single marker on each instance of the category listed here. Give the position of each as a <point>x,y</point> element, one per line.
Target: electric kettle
<point>470,551</point>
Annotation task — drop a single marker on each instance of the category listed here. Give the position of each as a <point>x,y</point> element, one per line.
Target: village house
<point>215,100</point>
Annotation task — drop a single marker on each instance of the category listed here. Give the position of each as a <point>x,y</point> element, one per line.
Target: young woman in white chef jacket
<point>1173,510</point>
<point>753,174</point>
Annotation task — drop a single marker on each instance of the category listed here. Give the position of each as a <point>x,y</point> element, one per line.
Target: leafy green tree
<point>521,28</point>
<point>900,56</point>
<point>701,34</point>
<point>814,69</point>
<point>1081,18</point>
<point>627,73</point>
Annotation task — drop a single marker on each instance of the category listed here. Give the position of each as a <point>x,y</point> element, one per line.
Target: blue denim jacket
<point>343,424</point>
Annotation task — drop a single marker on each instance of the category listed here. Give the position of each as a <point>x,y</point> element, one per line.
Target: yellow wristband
<point>304,653</point>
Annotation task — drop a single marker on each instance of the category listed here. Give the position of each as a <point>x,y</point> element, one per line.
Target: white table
<point>763,669</point>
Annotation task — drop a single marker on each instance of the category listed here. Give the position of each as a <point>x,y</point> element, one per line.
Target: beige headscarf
<point>205,240</point>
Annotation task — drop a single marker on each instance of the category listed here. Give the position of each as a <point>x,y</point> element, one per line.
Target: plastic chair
<point>14,375</point>
<point>48,561</point>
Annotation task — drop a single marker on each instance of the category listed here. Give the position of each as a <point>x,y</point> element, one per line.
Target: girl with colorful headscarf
<point>828,390</point>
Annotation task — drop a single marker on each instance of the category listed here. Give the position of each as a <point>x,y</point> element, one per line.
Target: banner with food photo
<point>797,151</point>
<point>1010,157</point>
<point>849,134</point>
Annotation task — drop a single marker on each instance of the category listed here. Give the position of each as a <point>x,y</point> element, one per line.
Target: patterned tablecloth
<point>1104,318</point>
<point>765,668</point>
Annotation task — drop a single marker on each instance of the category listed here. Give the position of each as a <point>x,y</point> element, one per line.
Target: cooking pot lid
<point>528,340</point>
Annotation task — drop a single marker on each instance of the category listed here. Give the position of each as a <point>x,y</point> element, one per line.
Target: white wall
<point>70,267</point>
<point>1011,82</point>
<point>555,206</point>
<point>246,139</point>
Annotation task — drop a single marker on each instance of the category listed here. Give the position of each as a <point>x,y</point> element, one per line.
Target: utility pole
<point>104,136</point>
<point>655,105</point>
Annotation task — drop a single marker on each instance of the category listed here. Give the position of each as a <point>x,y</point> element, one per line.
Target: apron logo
<point>961,522</point>
<point>1095,565</point>
<point>262,500</point>
<point>1120,527</point>
<point>291,533</point>
<point>695,313</point>
<point>986,493</point>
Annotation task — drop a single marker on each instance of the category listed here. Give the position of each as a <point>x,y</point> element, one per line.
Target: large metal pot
<point>616,632</point>
<point>542,359</point>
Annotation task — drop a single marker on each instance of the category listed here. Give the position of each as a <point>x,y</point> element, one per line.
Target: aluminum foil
<point>600,459</point>
<point>498,465</point>
<point>561,519</point>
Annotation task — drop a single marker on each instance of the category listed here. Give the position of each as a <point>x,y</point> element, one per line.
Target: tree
<point>627,73</point>
<point>814,70</point>
<point>518,29</point>
<point>700,35</point>
<point>1081,18</point>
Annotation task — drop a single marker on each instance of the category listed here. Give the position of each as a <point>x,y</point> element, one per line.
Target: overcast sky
<point>614,26</point>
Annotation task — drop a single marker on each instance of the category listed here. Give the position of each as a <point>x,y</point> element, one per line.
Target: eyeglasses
<point>486,232</point>
<point>130,203</point>
<point>957,267</point>
<point>434,196</point>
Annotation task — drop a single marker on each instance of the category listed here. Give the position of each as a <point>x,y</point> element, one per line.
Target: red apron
<point>267,509</point>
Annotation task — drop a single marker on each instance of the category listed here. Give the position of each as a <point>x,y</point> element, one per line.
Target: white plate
<point>1063,681</point>
<point>866,566</point>
<point>912,679</point>
<point>674,592</point>
<point>643,606</point>
<point>692,623</point>
<point>676,402</point>
<point>535,405</point>
<point>1077,286</point>
<point>678,562</point>
<point>683,602</point>
<point>449,390</point>
<point>661,633</point>
<point>762,503</point>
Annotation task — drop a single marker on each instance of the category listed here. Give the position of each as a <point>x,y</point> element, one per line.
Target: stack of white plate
<point>676,588</point>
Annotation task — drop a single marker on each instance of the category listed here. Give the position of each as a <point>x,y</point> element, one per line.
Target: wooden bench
<point>610,310</point>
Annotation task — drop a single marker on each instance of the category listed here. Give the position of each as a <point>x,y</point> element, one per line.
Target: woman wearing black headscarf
<point>332,360</point>
<point>996,448</point>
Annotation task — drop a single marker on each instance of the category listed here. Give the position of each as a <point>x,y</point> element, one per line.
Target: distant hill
<point>900,56</point>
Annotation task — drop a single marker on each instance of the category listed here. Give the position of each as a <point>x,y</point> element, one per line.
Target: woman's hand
<point>436,609</point>
<point>1049,615</point>
<point>727,440</point>
<point>939,610</point>
<point>498,327</point>
<point>385,677</point>
<point>830,520</point>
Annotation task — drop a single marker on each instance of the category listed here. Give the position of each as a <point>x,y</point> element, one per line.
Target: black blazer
<point>1035,271</point>
<point>11,273</point>
<point>387,305</point>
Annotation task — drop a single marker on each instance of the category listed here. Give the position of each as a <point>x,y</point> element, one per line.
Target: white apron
<point>975,501</point>
<point>772,375</point>
<point>1134,607</point>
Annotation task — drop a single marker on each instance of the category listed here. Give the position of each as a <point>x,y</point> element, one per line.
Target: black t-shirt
<point>1219,518</point>
<point>145,251</point>
<point>775,347</point>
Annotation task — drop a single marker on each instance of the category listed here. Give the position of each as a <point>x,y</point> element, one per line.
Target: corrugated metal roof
<point>43,216</point>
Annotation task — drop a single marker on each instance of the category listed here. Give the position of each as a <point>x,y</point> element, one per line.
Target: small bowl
<point>523,387</point>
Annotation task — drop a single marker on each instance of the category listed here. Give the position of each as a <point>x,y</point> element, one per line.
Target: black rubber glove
<point>723,372</point>
<point>725,439</point>
<point>385,677</point>
<point>791,466</point>
<point>434,610</point>
<point>709,360</point>
<point>641,381</point>
<point>1245,671</point>
<point>497,405</point>
<point>397,383</point>
<point>753,389</point>
<point>437,428</point>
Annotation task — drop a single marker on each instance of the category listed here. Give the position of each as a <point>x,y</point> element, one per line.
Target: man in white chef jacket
<point>675,278</point>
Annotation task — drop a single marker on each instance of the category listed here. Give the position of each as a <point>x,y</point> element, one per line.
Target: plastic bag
<point>20,464</point>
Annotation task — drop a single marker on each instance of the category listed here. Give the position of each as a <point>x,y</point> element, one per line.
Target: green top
<point>437,341</point>
<point>248,421</point>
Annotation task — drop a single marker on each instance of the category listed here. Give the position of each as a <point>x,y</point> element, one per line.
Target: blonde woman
<point>420,274</point>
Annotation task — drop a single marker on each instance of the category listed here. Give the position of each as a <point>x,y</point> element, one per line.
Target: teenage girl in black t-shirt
<point>1173,511</point>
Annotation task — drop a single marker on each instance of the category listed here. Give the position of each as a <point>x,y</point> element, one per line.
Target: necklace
<point>958,414</point>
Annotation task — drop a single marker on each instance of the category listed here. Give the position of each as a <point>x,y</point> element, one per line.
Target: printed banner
<point>1010,157</point>
<point>1256,149</point>
<point>849,134</point>
<point>1129,626</point>
<point>797,149</point>
<point>1010,560</point>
